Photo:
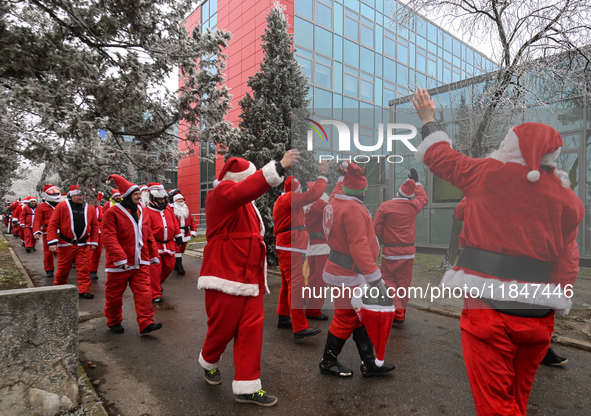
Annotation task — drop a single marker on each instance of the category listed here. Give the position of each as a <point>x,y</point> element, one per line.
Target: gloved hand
<point>179,241</point>
<point>193,233</point>
<point>414,175</point>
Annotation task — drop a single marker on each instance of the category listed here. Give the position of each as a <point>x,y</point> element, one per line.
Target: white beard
<point>145,198</point>
<point>181,210</point>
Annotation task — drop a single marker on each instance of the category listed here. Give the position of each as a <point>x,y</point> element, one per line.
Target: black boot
<point>178,266</point>
<point>329,364</point>
<point>368,359</point>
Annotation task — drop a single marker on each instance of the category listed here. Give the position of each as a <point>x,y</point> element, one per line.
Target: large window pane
<point>402,53</point>
<point>367,60</point>
<point>432,68</point>
<point>421,63</point>
<point>351,85</point>
<point>367,36</point>
<point>323,76</point>
<point>366,91</point>
<point>323,15</point>
<point>441,221</point>
<point>390,48</point>
<point>402,77</point>
<point>338,48</point>
<point>338,77</point>
<point>304,8</point>
<point>388,95</point>
<point>323,99</point>
<point>338,19</point>
<point>351,29</point>
<point>304,33</point>
<point>389,70</point>
<point>379,93</point>
<point>351,54</point>
<point>323,42</point>
<point>352,4</point>
<point>443,191</point>
<point>378,66</point>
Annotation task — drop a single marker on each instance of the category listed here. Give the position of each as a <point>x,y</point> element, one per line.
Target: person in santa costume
<point>145,196</point>
<point>167,234</point>
<point>234,273</point>
<point>130,249</point>
<point>187,227</point>
<point>18,230</point>
<point>292,241</point>
<point>519,254</point>
<point>73,234</point>
<point>317,255</point>
<point>354,250</point>
<point>395,224</point>
<point>96,254</point>
<point>115,199</point>
<point>43,213</point>
<point>26,219</point>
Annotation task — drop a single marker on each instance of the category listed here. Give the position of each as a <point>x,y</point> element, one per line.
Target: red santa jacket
<point>338,189</point>
<point>108,205</point>
<point>16,214</point>
<point>351,234</point>
<point>186,225</point>
<point>314,219</point>
<point>234,259</point>
<point>43,214</point>
<point>165,228</point>
<point>62,223</point>
<point>395,224</point>
<point>510,215</point>
<point>27,216</point>
<point>288,212</point>
<point>127,241</point>
<point>460,209</point>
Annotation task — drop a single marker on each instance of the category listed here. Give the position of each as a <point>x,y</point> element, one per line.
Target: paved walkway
<point>159,374</point>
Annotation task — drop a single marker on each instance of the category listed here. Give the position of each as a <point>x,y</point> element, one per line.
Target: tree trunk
<point>454,245</point>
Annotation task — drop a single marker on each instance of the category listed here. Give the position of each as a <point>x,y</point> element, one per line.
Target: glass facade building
<point>357,60</point>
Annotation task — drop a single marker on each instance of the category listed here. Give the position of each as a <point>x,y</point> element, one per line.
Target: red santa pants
<point>398,274</point>
<point>345,318</point>
<point>159,272</point>
<point>139,283</point>
<point>30,241</point>
<point>80,255</point>
<point>502,355</point>
<point>291,295</point>
<point>96,255</point>
<point>316,285</point>
<point>240,318</point>
<point>47,256</point>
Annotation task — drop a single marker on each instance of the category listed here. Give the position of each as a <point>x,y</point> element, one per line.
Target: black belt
<point>399,245</point>
<point>74,241</point>
<point>504,266</point>
<point>316,236</point>
<point>519,309</point>
<point>300,228</point>
<point>163,242</point>
<point>343,260</point>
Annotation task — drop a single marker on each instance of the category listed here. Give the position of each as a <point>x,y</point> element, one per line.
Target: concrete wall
<point>38,350</point>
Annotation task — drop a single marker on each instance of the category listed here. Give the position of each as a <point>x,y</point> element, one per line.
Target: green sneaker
<point>213,377</point>
<point>260,397</point>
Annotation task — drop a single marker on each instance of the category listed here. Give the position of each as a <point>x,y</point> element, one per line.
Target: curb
<point>556,339</point>
<point>92,403</point>
<point>18,263</point>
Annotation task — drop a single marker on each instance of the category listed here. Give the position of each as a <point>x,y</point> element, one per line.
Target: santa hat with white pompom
<point>536,144</point>
<point>355,182</point>
<point>235,169</point>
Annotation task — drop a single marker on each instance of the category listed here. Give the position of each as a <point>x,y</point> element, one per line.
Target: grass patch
<point>584,272</point>
<point>430,264</point>
<point>10,275</point>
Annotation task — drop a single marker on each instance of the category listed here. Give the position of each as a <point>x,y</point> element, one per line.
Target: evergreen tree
<point>278,89</point>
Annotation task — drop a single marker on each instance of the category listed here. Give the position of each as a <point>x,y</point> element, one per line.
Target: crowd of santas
<point>74,227</point>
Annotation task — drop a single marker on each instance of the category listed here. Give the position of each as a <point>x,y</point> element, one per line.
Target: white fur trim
<point>155,260</point>
<point>365,289</point>
<point>216,183</point>
<point>227,286</point>
<point>430,140</point>
<point>341,280</point>
<point>205,364</point>
<point>295,250</point>
<point>323,177</point>
<point>271,175</point>
<point>246,387</point>
<point>533,175</point>
<point>240,176</point>
<point>373,276</point>
<point>341,179</point>
<point>500,290</point>
<point>325,197</point>
<point>178,255</point>
<point>318,250</point>
<point>405,257</point>
<point>177,196</point>
<point>379,363</point>
<point>405,195</point>
<point>345,164</point>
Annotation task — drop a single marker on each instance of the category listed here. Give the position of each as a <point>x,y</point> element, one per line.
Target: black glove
<point>179,241</point>
<point>414,175</point>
